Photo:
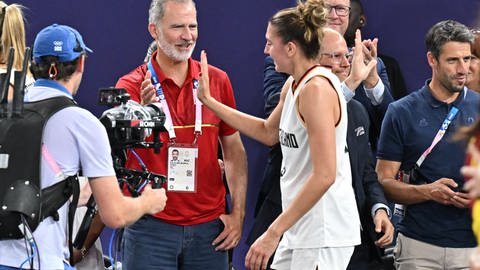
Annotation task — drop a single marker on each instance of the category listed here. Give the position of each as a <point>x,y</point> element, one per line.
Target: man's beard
<point>170,50</point>
<point>451,86</point>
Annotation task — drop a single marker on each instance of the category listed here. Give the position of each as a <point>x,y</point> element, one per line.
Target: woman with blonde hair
<point>12,34</point>
<point>319,222</point>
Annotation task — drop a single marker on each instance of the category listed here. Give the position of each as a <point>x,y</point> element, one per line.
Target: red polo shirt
<point>208,202</point>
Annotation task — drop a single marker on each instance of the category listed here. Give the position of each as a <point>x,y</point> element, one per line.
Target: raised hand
<point>370,48</point>
<point>361,66</point>
<point>147,91</point>
<point>371,54</point>
<point>203,92</point>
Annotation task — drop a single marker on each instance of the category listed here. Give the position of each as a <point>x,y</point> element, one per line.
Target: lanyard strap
<point>450,116</point>
<point>53,164</point>
<point>198,109</point>
<point>163,102</point>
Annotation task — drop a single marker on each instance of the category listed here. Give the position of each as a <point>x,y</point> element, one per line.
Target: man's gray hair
<point>157,9</point>
<point>446,31</point>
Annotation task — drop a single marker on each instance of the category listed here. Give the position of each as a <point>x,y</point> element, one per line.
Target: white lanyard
<point>168,118</point>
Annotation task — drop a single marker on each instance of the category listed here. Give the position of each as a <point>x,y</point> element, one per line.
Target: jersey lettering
<point>288,139</point>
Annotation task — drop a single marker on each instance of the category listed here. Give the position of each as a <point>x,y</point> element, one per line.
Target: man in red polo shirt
<point>193,231</point>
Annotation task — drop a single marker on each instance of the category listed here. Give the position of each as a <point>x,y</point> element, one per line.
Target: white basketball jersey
<point>333,221</point>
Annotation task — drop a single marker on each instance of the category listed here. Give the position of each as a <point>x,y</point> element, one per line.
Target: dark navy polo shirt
<point>408,129</point>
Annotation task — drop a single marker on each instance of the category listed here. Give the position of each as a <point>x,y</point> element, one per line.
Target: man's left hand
<point>462,200</point>
<point>231,234</point>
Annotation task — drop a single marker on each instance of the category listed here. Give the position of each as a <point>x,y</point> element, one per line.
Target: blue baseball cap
<point>58,40</point>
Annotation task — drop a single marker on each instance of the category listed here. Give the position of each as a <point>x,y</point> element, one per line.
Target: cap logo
<point>57,45</point>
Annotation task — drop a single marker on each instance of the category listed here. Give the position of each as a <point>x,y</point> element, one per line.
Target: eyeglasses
<point>339,10</point>
<point>337,58</point>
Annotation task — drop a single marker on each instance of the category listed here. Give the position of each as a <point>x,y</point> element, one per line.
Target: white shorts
<point>328,258</point>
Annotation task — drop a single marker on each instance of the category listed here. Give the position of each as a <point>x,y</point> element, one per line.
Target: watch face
<point>83,251</point>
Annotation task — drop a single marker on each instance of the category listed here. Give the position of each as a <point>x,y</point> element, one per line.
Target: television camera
<point>129,126</point>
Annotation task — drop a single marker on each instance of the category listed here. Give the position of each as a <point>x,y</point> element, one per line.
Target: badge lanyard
<point>451,115</point>
<point>182,165</point>
<point>400,209</point>
<point>163,102</point>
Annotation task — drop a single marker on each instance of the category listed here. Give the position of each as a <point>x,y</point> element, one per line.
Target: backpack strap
<point>75,186</point>
<point>57,195</point>
<point>48,107</point>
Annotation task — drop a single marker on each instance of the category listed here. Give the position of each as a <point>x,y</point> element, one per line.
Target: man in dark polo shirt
<point>436,230</point>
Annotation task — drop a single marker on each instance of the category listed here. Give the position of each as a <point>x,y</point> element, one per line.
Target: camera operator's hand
<point>231,234</point>
<point>147,91</point>
<point>154,199</point>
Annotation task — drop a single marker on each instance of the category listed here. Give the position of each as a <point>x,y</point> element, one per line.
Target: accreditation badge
<point>182,168</point>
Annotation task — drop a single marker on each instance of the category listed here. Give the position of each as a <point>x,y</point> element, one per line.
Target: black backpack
<point>20,163</point>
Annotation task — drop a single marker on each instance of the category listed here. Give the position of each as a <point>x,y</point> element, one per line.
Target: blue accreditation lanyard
<point>52,84</point>
<point>163,102</point>
<point>450,116</point>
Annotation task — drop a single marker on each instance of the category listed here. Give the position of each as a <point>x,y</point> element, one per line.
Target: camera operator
<point>75,140</point>
<point>196,211</point>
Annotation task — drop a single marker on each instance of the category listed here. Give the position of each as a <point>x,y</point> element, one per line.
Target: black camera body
<point>129,124</point>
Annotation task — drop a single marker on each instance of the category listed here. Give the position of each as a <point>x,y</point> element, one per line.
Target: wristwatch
<point>83,252</point>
